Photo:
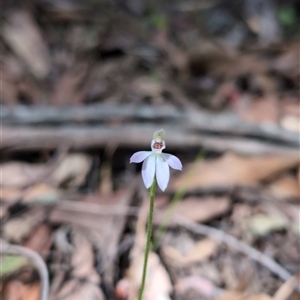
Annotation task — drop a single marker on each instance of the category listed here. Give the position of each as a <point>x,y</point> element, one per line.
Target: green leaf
<point>287,16</point>
<point>158,21</point>
<point>10,264</point>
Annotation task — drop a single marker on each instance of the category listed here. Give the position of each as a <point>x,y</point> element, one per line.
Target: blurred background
<point>84,84</point>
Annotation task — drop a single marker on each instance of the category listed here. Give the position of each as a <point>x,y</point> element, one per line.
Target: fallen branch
<point>97,113</point>
<point>190,120</point>
<point>24,138</point>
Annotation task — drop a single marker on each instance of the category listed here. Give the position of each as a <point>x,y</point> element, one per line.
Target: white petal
<point>162,172</point>
<point>138,157</point>
<point>148,170</point>
<point>172,161</point>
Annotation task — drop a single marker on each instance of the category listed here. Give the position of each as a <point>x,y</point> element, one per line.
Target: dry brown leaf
<point>11,68</point>
<point>75,290</point>
<point>73,169</point>
<point>41,193</point>
<point>288,62</point>
<point>18,174</point>
<point>17,290</point>
<point>232,170</point>
<point>158,284</point>
<point>209,58</point>
<point>3,211</point>
<point>40,240</point>
<point>147,87</point>
<point>83,258</point>
<point>293,211</point>
<point>111,228</point>
<point>259,297</point>
<point>197,209</point>
<point>201,285</point>
<point>290,123</point>
<point>85,281</point>
<point>240,296</point>
<point>290,106</point>
<point>68,90</point>
<point>232,295</point>
<point>286,187</point>
<point>22,34</point>
<point>105,229</point>
<point>201,251</point>
<point>240,212</point>
<point>173,255</point>
<point>18,228</point>
<point>10,195</point>
<point>86,214</point>
<point>287,290</point>
<point>9,92</point>
<point>264,110</point>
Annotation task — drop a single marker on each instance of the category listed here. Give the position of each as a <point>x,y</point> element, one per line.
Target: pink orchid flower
<point>156,163</point>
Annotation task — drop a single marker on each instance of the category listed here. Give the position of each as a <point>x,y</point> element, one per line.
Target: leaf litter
<point>80,211</point>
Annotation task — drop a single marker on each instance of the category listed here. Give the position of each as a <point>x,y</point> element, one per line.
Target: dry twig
<point>9,249</point>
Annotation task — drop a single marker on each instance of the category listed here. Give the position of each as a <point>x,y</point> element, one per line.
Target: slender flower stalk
<point>155,169</point>
<point>149,233</point>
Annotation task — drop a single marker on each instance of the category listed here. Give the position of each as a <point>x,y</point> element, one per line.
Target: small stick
<point>235,243</point>
<point>9,249</point>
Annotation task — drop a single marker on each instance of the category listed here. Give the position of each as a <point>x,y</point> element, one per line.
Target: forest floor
<point>84,85</point>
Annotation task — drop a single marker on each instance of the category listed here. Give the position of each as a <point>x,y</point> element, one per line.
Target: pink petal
<point>148,170</point>
<point>172,161</point>
<point>162,172</point>
<point>138,157</point>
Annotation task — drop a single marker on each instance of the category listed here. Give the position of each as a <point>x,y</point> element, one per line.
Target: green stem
<point>149,233</point>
